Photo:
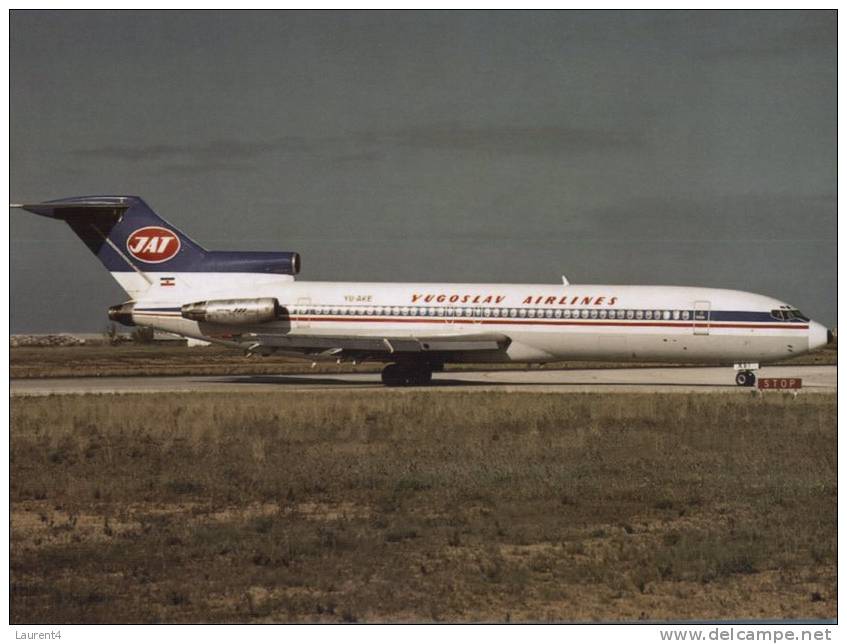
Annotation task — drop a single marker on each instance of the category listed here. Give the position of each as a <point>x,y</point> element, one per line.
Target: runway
<point>635,380</point>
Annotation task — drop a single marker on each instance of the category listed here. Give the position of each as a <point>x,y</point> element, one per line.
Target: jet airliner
<point>252,301</point>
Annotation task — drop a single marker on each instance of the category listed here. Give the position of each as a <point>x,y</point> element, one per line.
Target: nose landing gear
<point>406,375</point>
<point>745,379</point>
<point>745,375</point>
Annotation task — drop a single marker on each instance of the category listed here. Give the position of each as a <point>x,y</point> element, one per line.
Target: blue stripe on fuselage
<point>715,316</point>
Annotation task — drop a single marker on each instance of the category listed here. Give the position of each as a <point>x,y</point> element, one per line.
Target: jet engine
<point>233,312</point>
<point>122,313</point>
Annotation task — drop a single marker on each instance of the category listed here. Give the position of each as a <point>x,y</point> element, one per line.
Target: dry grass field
<point>414,506</point>
<point>175,360</point>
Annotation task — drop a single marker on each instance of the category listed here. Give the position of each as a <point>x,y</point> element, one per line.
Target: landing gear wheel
<point>392,376</point>
<point>421,376</point>
<point>398,375</point>
<point>745,379</point>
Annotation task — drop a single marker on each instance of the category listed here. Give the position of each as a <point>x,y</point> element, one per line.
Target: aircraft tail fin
<point>128,238</point>
<point>141,250</point>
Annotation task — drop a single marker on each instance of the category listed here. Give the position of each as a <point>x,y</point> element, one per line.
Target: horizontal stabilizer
<point>76,208</point>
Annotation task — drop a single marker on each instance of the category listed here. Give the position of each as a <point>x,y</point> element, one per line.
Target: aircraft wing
<point>386,347</point>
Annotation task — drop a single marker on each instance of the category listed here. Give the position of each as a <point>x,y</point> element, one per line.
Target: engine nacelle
<point>122,313</point>
<point>280,263</point>
<point>233,312</point>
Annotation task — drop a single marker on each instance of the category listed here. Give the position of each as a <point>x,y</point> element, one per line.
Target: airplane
<point>251,300</point>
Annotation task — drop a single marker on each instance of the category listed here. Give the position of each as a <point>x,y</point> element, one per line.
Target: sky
<point>686,148</point>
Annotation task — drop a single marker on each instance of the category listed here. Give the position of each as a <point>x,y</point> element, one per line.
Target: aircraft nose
<point>819,336</point>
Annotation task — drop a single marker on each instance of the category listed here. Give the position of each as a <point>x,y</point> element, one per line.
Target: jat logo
<point>153,244</point>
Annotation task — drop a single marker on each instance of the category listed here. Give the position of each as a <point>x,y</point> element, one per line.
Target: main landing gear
<point>745,375</point>
<point>406,375</point>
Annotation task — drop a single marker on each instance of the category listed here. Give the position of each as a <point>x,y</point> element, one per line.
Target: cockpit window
<point>788,315</point>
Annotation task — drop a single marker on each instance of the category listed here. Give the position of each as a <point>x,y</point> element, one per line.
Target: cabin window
<point>593,314</point>
<point>548,313</point>
<point>584,314</point>
<point>639,315</point>
<point>666,315</point>
<point>686,315</point>
<point>648,315</point>
<point>566,314</point>
<point>531,313</point>
<point>602,314</point>
<point>630,314</point>
<point>522,313</point>
<point>557,313</point>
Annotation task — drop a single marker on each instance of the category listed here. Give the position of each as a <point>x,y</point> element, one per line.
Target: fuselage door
<point>702,315</point>
<point>304,311</point>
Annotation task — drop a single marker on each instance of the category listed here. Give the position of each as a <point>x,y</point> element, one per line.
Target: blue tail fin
<point>125,234</point>
<point>132,242</point>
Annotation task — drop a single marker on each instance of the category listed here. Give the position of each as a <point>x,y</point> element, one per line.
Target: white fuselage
<point>544,322</point>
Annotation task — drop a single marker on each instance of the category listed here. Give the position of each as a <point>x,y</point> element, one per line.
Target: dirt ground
<point>394,506</point>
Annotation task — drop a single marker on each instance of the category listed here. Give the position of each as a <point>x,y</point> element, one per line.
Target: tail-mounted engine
<point>234,312</point>
<point>122,313</point>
